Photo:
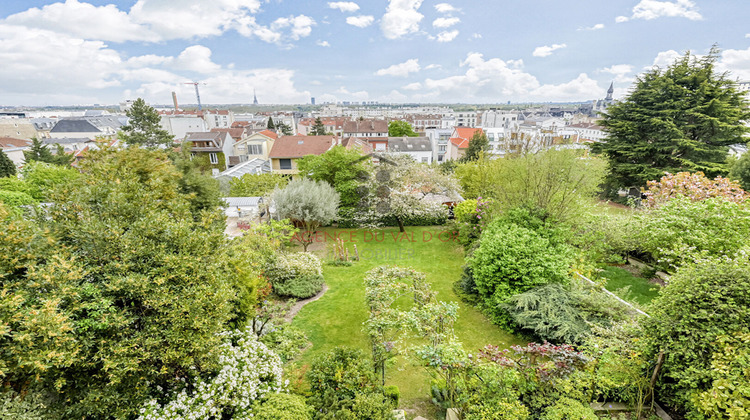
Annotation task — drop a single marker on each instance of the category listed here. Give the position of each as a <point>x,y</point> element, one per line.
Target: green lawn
<point>641,290</point>
<point>336,319</point>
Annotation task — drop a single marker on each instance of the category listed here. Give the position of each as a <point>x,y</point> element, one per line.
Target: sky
<point>83,52</point>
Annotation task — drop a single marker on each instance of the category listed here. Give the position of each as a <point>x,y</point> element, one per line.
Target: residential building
<point>14,148</point>
<point>254,146</point>
<point>466,119</point>
<point>334,126</point>
<point>86,127</point>
<point>17,128</point>
<point>287,150</point>
<point>214,147</point>
<point>418,148</point>
<point>180,123</point>
<point>439,139</point>
<point>374,131</point>
<point>588,133</point>
<point>459,142</point>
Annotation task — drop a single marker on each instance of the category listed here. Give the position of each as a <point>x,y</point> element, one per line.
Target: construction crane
<point>197,94</point>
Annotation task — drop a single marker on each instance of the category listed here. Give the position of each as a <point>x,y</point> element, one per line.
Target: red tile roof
<point>461,143</point>
<point>269,133</point>
<point>11,143</point>
<point>299,146</point>
<point>466,132</point>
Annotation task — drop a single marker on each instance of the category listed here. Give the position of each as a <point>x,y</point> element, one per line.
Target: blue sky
<point>448,51</point>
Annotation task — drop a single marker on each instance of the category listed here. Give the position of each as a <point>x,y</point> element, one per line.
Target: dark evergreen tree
<point>143,128</point>
<point>284,128</point>
<point>674,120</point>
<point>478,144</point>
<point>270,124</point>
<point>7,167</point>
<point>38,152</point>
<point>318,129</point>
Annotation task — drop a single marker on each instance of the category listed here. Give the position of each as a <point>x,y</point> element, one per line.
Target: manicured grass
<point>336,319</point>
<point>641,290</point>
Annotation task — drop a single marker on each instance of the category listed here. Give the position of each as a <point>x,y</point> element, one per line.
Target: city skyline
<point>85,52</point>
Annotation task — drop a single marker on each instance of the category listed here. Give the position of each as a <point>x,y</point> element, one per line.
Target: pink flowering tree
<point>695,186</point>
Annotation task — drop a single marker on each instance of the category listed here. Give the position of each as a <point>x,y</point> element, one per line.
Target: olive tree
<point>308,204</point>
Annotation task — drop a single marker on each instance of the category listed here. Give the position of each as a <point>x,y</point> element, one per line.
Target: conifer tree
<point>270,124</point>
<point>143,128</point>
<point>7,167</point>
<point>674,120</point>
<point>318,129</point>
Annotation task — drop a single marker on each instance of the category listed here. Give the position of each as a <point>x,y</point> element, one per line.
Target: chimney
<point>174,99</point>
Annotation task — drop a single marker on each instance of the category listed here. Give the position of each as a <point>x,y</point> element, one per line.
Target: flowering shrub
<point>296,274</point>
<point>249,372</point>
<point>695,186</point>
<point>681,230</point>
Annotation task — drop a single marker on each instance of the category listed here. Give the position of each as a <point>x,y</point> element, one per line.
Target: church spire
<point>610,91</point>
<point>255,98</point>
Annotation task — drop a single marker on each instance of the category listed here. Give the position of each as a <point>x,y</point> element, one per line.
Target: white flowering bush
<point>249,372</point>
<point>296,274</point>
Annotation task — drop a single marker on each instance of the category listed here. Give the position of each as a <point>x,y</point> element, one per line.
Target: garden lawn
<point>336,319</point>
<point>641,290</point>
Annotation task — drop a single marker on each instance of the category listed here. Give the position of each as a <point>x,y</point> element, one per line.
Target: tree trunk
<point>400,224</point>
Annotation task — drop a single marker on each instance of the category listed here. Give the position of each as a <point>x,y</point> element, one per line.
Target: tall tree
<point>286,129</point>
<point>674,120</point>
<point>7,167</point>
<point>478,144</point>
<point>270,124</point>
<point>143,128</point>
<point>344,170</point>
<point>318,129</point>
<point>39,152</point>
<point>308,203</point>
<point>401,129</point>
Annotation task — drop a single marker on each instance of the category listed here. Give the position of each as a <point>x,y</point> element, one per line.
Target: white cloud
<point>620,71</point>
<point>161,20</point>
<point>361,95</point>
<point>300,26</point>
<point>401,18</point>
<point>496,80</point>
<point>395,96</point>
<point>445,8</point>
<point>652,9</point>
<point>400,70</point>
<point>360,21</point>
<point>413,86</point>
<point>37,62</point>
<point>476,36</point>
<point>737,62</point>
<point>580,88</point>
<point>433,66</point>
<point>547,50</point>
<point>322,43</point>
<point>344,6</point>
<point>197,58</point>
<point>191,18</point>
<point>84,20</point>
<point>665,58</point>
<point>447,36</point>
<point>596,27</point>
<point>621,19</point>
<point>445,22</point>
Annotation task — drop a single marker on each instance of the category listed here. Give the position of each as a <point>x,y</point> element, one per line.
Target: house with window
<point>254,146</point>
<point>418,148</point>
<point>213,148</point>
<point>287,150</point>
<point>459,142</point>
<point>374,131</point>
